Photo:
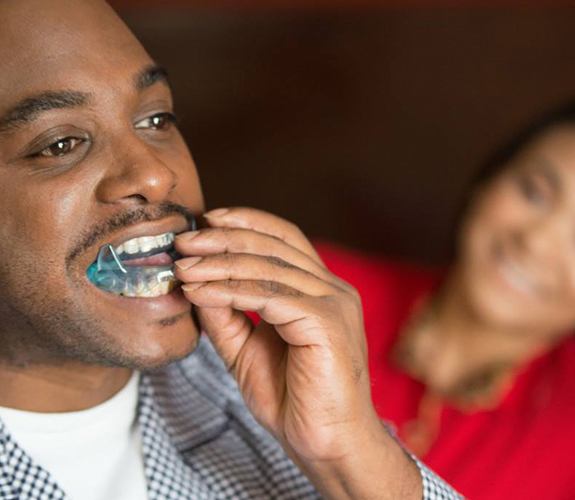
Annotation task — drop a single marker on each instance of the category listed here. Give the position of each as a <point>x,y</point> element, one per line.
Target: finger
<point>242,267</point>
<point>277,304</point>
<point>247,241</point>
<point>263,222</point>
<point>230,332</point>
<point>233,328</point>
<point>237,240</point>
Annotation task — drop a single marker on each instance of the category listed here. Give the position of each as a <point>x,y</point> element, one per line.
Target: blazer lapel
<point>168,476</point>
<point>20,477</point>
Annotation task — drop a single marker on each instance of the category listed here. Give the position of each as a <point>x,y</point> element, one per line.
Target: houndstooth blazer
<point>199,442</point>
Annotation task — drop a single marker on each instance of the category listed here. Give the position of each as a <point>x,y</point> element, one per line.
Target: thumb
<point>227,328</point>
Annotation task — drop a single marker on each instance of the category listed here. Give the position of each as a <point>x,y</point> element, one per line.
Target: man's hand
<point>302,369</point>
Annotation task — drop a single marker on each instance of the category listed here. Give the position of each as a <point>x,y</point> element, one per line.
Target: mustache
<point>126,219</point>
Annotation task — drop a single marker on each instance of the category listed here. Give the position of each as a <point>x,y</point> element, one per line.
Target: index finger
<point>263,222</point>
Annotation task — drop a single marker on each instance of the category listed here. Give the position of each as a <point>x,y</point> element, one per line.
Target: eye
<point>160,121</point>
<point>532,190</point>
<point>61,147</point>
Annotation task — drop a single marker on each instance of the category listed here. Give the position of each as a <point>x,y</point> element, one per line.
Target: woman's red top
<point>523,449</point>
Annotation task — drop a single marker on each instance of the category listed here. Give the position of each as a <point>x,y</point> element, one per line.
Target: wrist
<point>374,467</point>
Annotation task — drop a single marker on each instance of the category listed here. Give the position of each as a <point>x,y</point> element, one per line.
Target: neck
<point>70,386</point>
<point>466,359</point>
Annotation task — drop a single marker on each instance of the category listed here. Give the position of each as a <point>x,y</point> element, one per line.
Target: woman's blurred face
<point>516,260</point>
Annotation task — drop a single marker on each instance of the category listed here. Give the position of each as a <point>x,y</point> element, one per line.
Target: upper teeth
<point>517,278</point>
<point>145,244</point>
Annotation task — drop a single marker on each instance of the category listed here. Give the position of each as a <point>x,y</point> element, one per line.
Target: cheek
<point>497,211</point>
<point>188,189</point>
<point>40,223</point>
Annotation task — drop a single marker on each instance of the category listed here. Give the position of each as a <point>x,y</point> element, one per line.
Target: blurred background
<point>361,123</point>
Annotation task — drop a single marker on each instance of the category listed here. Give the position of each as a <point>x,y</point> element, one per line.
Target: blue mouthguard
<point>109,273</point>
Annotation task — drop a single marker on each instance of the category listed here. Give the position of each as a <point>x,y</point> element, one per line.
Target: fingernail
<point>190,287</point>
<point>188,235</point>
<point>218,212</point>
<point>187,262</point>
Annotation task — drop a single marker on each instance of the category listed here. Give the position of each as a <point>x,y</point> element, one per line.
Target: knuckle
<point>229,260</point>
<point>349,292</point>
<point>279,262</point>
<point>241,241</point>
<point>341,302</point>
<point>270,287</point>
<point>235,240</point>
<point>355,295</point>
<point>294,229</point>
<point>276,238</point>
<point>227,236</point>
<point>275,289</point>
<point>232,284</point>
<point>347,287</point>
<point>287,230</point>
<point>331,303</point>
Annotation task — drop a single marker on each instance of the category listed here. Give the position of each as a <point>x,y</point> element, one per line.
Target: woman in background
<point>475,365</point>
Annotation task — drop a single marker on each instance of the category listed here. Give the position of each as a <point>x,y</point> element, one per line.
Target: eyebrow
<point>150,75</point>
<point>29,108</point>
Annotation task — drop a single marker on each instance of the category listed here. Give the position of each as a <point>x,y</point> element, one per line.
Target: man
<point>89,157</point>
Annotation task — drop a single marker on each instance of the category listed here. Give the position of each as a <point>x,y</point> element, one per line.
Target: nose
<point>136,172</point>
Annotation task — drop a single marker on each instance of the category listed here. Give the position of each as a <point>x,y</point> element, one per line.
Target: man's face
<point>88,155</point>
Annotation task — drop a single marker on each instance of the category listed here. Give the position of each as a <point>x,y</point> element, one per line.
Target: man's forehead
<point>63,44</point>
<point>24,20</point>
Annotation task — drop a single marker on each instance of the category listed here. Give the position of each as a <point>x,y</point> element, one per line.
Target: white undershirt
<point>94,454</point>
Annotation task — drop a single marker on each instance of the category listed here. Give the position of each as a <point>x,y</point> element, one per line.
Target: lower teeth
<point>153,290</point>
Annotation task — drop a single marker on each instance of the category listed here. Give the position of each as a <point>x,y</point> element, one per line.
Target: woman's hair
<point>500,159</point>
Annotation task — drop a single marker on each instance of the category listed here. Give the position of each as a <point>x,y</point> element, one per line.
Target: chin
<point>496,310</point>
<point>499,308</point>
<point>153,348</point>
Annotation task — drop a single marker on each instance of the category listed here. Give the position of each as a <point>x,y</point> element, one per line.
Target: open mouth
<point>517,278</point>
<point>514,273</point>
<point>139,267</point>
